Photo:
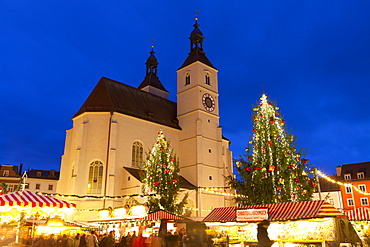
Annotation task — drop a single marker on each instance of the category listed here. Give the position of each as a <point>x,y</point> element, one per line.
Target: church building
<point>118,124</point>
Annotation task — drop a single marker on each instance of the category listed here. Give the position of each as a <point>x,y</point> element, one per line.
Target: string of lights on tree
<point>159,175</point>
<point>272,170</point>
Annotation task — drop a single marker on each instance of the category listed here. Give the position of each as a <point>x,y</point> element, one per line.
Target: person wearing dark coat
<point>82,242</point>
<point>262,234</point>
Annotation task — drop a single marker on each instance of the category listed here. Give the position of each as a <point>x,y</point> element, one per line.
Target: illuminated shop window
<point>94,186</point>
<point>137,154</point>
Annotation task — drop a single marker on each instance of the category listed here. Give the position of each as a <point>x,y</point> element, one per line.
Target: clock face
<point>208,102</point>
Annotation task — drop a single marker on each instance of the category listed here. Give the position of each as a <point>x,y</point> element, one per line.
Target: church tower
<point>205,154</point>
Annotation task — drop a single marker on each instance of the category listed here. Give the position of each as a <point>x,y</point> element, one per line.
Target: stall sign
<point>255,214</point>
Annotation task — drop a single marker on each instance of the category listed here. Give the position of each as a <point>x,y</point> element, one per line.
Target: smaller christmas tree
<point>161,178</point>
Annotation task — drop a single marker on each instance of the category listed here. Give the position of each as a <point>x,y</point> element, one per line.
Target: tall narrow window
<point>94,186</point>
<point>348,189</point>
<point>208,79</point>
<point>350,202</point>
<point>137,154</point>
<point>362,187</point>
<point>187,79</point>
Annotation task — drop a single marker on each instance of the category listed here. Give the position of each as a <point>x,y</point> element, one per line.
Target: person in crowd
<point>138,241</point>
<point>133,238</point>
<point>156,241</point>
<point>76,240</point>
<point>122,242</point>
<point>108,240</point>
<point>50,241</point>
<point>82,242</point>
<point>128,240</point>
<point>92,240</point>
<point>64,241</point>
<point>40,242</point>
<point>262,234</point>
<point>172,239</point>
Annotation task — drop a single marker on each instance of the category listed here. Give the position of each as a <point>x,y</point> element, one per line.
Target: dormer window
<point>360,175</point>
<point>208,79</point>
<point>347,176</point>
<point>187,79</point>
<point>6,173</point>
<point>52,173</point>
<point>38,174</point>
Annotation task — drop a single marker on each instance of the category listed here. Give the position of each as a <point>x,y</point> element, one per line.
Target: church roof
<point>110,95</point>
<point>152,80</point>
<point>185,184</point>
<point>197,55</point>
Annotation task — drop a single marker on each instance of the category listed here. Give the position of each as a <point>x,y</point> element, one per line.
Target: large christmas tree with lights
<point>160,176</point>
<point>272,170</point>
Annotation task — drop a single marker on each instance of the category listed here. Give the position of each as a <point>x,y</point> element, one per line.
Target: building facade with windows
<point>356,179</point>
<point>329,192</point>
<point>36,180</point>
<point>10,176</point>
<point>42,180</point>
<point>118,124</point>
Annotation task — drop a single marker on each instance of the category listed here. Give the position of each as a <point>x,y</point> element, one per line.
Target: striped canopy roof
<point>27,198</point>
<point>358,214</point>
<point>155,216</point>
<point>162,215</point>
<point>279,211</point>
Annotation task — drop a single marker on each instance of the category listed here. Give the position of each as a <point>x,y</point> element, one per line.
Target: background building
<point>355,192</point>
<point>118,124</point>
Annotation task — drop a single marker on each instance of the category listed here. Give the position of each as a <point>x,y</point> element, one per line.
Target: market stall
<point>309,223</point>
<point>139,221</point>
<point>18,207</point>
<point>360,219</point>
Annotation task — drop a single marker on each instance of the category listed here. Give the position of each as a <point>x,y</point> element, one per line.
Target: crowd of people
<point>179,238</point>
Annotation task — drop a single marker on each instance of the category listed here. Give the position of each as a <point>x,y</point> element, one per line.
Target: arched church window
<point>137,154</point>
<point>187,79</point>
<point>208,79</point>
<point>94,186</point>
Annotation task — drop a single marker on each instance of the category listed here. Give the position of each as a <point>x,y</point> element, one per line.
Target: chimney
<point>339,170</point>
<point>20,168</point>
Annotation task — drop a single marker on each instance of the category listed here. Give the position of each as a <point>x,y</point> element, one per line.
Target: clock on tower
<point>208,102</point>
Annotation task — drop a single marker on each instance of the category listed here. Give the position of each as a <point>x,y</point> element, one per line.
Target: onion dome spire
<point>151,82</point>
<point>151,64</point>
<point>196,47</point>
<point>196,36</point>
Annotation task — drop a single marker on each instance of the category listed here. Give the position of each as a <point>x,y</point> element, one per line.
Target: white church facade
<point>118,124</point>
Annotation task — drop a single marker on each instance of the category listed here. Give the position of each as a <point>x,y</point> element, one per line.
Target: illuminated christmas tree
<point>161,178</point>
<point>272,170</point>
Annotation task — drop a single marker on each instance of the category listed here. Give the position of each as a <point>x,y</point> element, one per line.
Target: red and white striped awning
<point>162,215</point>
<point>358,214</point>
<point>27,198</point>
<point>279,211</point>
